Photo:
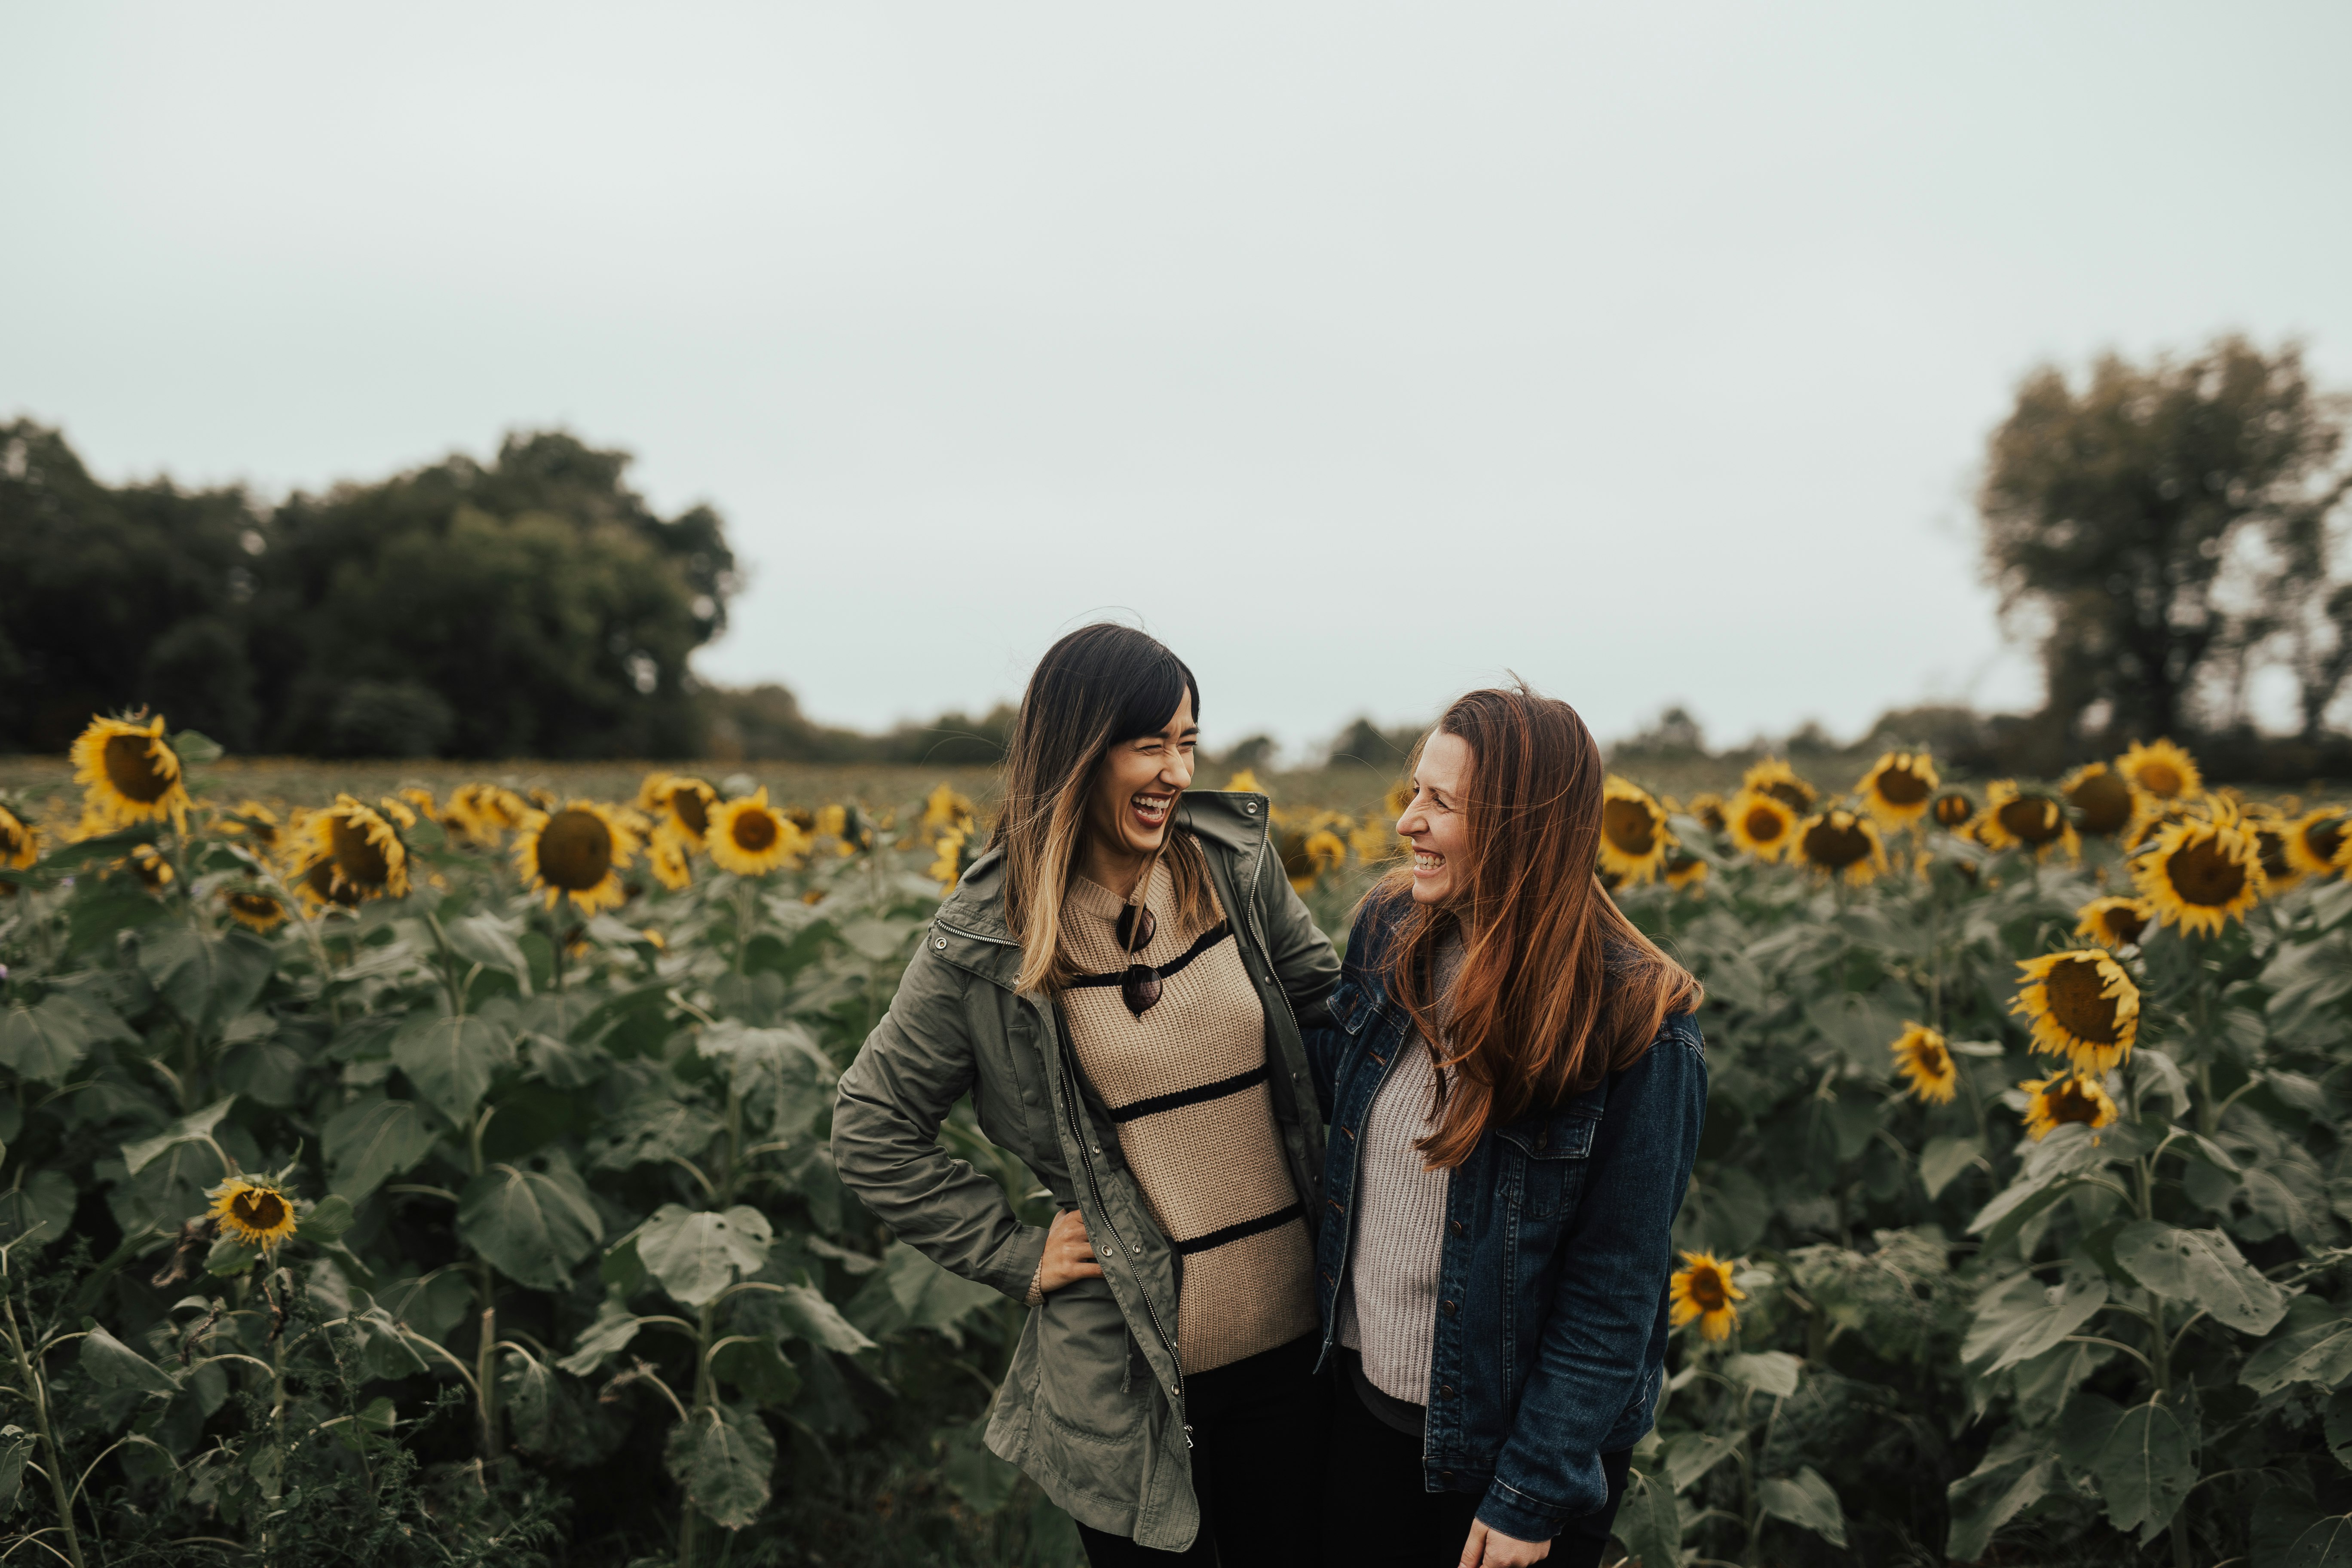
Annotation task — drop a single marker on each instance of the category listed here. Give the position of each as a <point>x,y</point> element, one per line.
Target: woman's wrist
<point>1037,1295</point>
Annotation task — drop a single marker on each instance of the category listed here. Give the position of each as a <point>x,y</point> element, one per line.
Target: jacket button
<point>1457,1227</point>
<point>940,943</point>
<point>1249,807</point>
<point>1444,1391</point>
<point>1136,1248</point>
<point>1446,1307</point>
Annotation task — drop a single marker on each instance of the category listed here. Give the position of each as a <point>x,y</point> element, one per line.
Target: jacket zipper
<point>1077,1106</point>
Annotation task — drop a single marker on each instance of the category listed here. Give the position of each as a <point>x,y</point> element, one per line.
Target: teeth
<point>1424,861</point>
<point>1151,805</point>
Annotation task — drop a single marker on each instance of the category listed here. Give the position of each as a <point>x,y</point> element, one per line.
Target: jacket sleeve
<point>1303,959</point>
<point>913,1067</point>
<point>1618,1257</point>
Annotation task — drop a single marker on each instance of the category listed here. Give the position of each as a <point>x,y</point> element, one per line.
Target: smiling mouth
<point>1150,811</point>
<point>1427,863</point>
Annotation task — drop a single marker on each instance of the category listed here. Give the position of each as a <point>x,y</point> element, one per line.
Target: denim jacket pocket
<point>1545,1159</point>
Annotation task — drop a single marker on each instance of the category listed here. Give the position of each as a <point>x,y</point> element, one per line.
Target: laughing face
<point>1135,794</point>
<point>1436,820</point>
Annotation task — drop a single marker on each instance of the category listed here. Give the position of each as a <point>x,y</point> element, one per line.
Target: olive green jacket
<point>1093,1407</point>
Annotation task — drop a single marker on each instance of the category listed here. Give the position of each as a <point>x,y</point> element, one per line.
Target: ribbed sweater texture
<point>1186,1084</point>
<point>1388,1313</point>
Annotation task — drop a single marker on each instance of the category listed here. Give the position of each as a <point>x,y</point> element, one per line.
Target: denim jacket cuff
<point>1519,1516</point>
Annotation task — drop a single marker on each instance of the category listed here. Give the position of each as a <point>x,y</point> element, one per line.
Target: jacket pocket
<point>1546,1156</point>
<point>1083,1384</point>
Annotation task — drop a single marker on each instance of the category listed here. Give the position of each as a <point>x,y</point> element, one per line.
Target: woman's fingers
<point>1069,1255</point>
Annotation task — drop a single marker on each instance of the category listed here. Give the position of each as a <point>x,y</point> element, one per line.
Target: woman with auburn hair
<point>1516,1087</point>
<point>1119,983</point>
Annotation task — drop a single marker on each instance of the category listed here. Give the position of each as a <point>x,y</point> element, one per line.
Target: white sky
<point>1363,350</point>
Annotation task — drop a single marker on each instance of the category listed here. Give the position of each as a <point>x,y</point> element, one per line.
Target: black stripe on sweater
<point>1264,1221</point>
<point>1209,938</point>
<point>1202,1095</point>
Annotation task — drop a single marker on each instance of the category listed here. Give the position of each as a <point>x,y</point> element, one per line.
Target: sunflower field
<point>417,1178</point>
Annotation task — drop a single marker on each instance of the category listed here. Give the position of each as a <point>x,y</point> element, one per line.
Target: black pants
<point>1258,1427</point>
<point>1377,1511</point>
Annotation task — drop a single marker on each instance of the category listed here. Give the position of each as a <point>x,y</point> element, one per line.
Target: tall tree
<point>2114,509</point>
<point>117,598</point>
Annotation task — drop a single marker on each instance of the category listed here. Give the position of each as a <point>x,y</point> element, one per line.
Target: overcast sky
<point>1362,351</point>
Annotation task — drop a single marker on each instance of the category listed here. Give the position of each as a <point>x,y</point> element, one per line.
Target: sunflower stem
<point>37,1389</point>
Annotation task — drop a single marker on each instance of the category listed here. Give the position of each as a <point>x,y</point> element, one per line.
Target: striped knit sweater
<point>1187,1084</point>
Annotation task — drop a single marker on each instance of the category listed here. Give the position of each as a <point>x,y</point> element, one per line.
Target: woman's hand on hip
<point>1491,1549</point>
<point>1069,1255</point>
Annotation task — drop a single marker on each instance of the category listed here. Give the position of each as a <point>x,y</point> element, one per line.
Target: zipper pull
<point>1187,1436</point>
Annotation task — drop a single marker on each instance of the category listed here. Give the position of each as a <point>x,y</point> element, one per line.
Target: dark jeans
<point>1258,1427</point>
<point>1377,1511</point>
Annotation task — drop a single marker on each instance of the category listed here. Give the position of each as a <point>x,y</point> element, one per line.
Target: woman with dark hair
<point>1120,983</point>
<point>1516,1087</point>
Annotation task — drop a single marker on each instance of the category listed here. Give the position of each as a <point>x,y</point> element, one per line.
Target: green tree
<point>2116,509</point>
<point>535,605</point>
<point>112,599</point>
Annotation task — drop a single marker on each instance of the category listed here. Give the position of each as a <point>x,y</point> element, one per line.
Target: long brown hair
<point>1557,987</point>
<point>1097,686</point>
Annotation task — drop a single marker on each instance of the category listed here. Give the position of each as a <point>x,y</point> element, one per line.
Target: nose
<point>1177,773</point>
<point>1414,821</point>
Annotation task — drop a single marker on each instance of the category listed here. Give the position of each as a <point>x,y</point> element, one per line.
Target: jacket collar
<point>969,929</point>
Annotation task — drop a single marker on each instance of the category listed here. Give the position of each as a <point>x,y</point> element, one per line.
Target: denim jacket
<point>1552,1320</point>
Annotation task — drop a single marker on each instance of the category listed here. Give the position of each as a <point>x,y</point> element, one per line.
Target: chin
<point>1429,892</point>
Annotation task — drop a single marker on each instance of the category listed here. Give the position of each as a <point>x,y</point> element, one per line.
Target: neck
<point>1116,866</point>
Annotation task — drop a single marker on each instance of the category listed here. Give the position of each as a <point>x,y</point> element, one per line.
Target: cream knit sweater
<point>1186,1084</point>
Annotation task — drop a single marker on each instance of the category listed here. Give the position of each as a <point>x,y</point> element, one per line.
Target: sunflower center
<point>2105,802</point>
<point>2032,818</point>
<point>1836,845</point>
<point>2160,778</point>
<point>753,831</point>
<point>2124,924</point>
<point>1763,826</point>
<point>692,814</point>
<point>131,771</point>
<point>1898,787</point>
<point>1930,1058</point>
<point>575,850</point>
<point>258,1209</point>
<point>2072,993</point>
<point>2203,875</point>
<point>2325,838</point>
<point>11,838</point>
<point>2272,846</point>
<point>1707,1290</point>
<point>1953,810</point>
<point>320,879</point>
<point>1630,826</point>
<point>357,856</point>
<point>2069,1101</point>
<point>1789,792</point>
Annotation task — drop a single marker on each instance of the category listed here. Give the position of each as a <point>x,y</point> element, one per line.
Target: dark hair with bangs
<point>1099,686</point>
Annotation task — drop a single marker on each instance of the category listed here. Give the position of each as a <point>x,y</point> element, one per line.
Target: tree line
<point>2165,532</point>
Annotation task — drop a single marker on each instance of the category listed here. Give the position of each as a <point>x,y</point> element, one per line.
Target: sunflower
<point>2163,770</point>
<point>2083,1007</point>
<point>1684,869</point>
<point>1701,1289</point>
<point>2270,830</point>
<point>2103,800</point>
<point>667,857</point>
<point>396,811</point>
<point>956,856</point>
<point>1842,843</point>
<point>254,1210</point>
<point>1760,825</point>
<point>1774,777</point>
<point>359,851</point>
<point>2201,874</point>
<point>1898,787</point>
<point>2315,841</point>
<point>2155,817</point>
<point>257,910</point>
<point>1952,808</point>
<point>2115,922</point>
<point>1921,1056</point>
<point>130,773</point>
<point>681,807</point>
<point>751,837</point>
<point>2025,819</point>
<point>418,799</point>
<point>1635,842</point>
<point>482,813</point>
<point>1707,806</point>
<point>2067,1097</point>
<point>256,823</point>
<point>318,884</point>
<point>1243,782</point>
<point>1375,840</point>
<point>578,851</point>
<point>19,845</point>
<point>149,867</point>
<point>946,810</point>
